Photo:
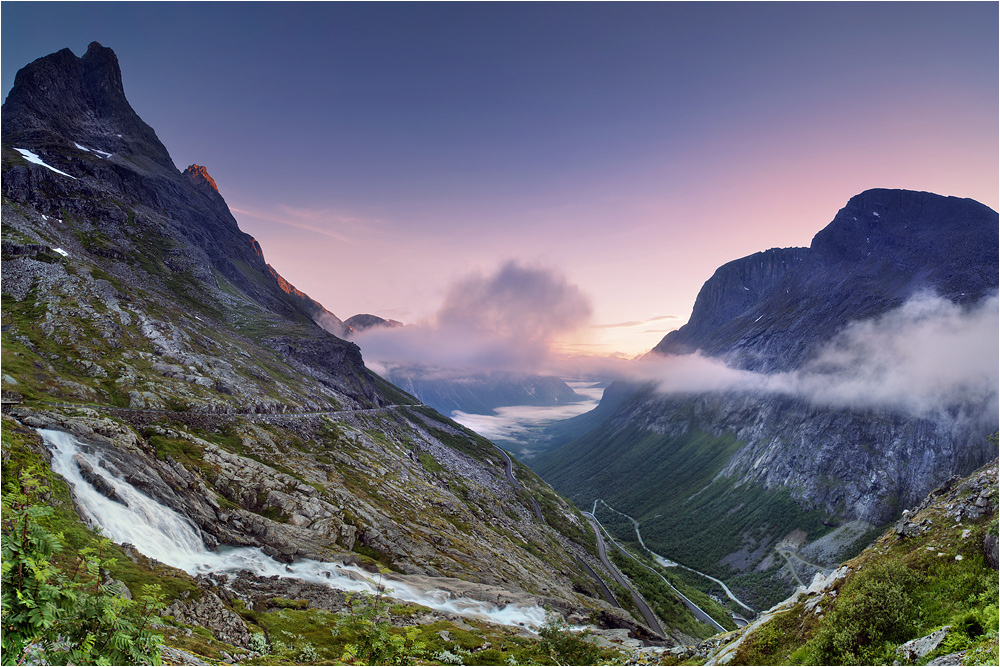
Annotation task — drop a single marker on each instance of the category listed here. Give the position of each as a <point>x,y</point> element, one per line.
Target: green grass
<point>430,463</point>
<point>180,450</point>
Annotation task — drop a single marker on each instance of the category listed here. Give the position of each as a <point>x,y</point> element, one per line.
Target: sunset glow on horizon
<point>382,153</point>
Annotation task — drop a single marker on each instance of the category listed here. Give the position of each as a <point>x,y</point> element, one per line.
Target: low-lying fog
<point>518,427</point>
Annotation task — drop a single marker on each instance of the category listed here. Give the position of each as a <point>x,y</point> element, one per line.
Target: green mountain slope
<point>924,593</point>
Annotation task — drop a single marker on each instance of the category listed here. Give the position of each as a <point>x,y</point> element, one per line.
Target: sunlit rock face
<point>200,177</point>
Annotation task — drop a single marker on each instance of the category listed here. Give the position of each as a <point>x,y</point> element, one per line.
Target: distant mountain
<point>717,479</point>
<point>480,393</point>
<point>364,322</point>
<point>473,392</point>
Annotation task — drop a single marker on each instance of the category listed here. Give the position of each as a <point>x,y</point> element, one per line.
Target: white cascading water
<point>161,533</point>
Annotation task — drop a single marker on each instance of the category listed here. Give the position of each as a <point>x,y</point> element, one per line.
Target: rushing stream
<point>161,533</point>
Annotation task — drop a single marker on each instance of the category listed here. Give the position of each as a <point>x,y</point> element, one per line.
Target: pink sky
<point>639,236</point>
<point>380,152</point>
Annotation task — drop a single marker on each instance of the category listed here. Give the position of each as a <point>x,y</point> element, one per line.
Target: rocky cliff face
<point>62,98</point>
<point>733,290</point>
<point>768,311</point>
<point>738,457</point>
<point>137,315</point>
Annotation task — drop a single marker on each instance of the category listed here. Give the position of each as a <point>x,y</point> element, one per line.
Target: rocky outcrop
<point>915,649</point>
<point>201,178</point>
<point>208,611</point>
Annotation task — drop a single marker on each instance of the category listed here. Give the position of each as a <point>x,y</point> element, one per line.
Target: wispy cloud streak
<point>635,323</point>
<point>325,222</point>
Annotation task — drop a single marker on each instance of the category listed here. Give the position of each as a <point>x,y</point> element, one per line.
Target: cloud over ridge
<point>928,357</point>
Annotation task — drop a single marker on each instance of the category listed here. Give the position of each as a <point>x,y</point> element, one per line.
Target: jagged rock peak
<point>60,99</point>
<point>200,177</point>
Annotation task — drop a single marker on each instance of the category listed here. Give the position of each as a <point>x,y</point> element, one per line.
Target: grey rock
<point>957,658</point>
<point>917,648</point>
<point>175,656</point>
<point>209,612</point>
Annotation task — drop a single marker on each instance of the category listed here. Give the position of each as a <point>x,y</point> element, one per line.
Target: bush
<point>874,610</point>
<point>565,647</point>
<point>373,642</point>
<point>65,617</point>
<point>258,643</point>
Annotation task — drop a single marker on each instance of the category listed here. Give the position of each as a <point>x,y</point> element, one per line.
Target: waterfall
<point>161,533</point>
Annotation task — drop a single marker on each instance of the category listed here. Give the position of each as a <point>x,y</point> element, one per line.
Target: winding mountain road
<point>602,552</point>
<point>635,523</point>
<point>698,612</point>
<point>508,469</point>
<point>605,591</point>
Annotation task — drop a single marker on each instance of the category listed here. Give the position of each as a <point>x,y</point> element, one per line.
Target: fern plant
<point>373,643</point>
<point>65,616</point>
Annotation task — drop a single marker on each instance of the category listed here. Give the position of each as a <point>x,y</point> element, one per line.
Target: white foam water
<point>161,533</point>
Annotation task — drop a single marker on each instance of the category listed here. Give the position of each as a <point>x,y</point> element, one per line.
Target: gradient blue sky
<point>381,151</point>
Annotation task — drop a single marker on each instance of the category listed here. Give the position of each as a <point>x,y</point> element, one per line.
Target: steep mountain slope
<point>925,590</point>
<point>137,316</point>
<point>719,478</point>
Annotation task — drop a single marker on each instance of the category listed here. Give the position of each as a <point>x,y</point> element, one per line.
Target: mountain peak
<point>766,311</point>
<point>199,176</point>
<point>60,98</point>
<point>365,321</point>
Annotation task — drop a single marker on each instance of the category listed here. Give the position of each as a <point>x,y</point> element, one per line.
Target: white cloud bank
<point>929,356</point>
